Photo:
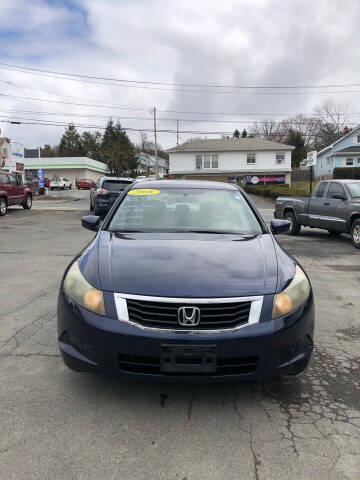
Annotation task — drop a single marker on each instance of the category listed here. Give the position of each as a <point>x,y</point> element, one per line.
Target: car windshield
<point>185,210</point>
<point>115,185</point>
<point>354,189</point>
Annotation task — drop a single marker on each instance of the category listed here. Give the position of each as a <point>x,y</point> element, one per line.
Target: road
<point>58,424</point>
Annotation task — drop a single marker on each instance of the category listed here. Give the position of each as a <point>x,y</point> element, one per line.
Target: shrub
<point>274,191</point>
<point>346,172</point>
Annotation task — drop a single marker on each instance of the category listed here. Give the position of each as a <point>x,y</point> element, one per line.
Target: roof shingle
<point>229,144</point>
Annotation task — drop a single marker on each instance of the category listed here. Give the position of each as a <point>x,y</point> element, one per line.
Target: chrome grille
<point>165,315</point>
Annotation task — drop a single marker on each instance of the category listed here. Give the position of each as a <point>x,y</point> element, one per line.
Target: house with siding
<point>344,152</point>
<point>246,160</point>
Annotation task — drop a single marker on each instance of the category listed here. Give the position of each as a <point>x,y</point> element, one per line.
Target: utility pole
<point>155,142</point>
<point>177,133</point>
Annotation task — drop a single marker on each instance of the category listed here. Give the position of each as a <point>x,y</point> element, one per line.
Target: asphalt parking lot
<point>58,424</point>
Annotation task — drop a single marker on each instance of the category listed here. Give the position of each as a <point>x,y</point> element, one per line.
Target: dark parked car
<point>85,183</point>
<point>13,192</point>
<point>106,192</point>
<point>335,207</point>
<point>184,280</point>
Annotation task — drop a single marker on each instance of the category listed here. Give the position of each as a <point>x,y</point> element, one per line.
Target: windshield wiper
<point>127,231</point>
<point>220,232</point>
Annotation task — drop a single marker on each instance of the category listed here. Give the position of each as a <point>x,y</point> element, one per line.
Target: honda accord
<point>184,280</point>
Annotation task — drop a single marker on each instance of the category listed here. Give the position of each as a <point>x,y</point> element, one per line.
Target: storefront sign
<point>264,179</point>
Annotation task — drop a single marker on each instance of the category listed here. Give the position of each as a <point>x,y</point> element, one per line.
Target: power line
<point>184,120</point>
<point>147,82</point>
<point>120,107</point>
<point>84,78</point>
<point>130,129</point>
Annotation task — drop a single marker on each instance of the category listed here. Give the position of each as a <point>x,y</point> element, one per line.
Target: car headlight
<point>82,292</point>
<point>293,296</point>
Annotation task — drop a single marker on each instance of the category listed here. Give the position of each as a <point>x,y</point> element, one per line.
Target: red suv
<point>13,192</point>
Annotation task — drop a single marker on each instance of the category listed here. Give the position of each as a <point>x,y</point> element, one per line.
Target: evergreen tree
<point>236,134</point>
<point>244,133</point>
<point>117,150</point>
<point>296,139</point>
<point>70,143</point>
<point>91,144</point>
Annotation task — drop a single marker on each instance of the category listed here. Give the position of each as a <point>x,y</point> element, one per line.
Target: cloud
<point>229,42</point>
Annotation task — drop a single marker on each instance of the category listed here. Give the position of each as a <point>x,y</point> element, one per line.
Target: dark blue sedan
<point>184,280</point>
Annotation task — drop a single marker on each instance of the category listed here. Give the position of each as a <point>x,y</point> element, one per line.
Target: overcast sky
<point>227,42</point>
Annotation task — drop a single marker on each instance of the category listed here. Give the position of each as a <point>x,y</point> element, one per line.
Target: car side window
<point>320,190</point>
<point>335,188</point>
<point>13,180</point>
<point>4,179</point>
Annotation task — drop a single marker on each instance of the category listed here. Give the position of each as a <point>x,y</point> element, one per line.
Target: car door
<point>316,204</point>
<point>8,187</point>
<point>334,209</point>
<point>14,190</point>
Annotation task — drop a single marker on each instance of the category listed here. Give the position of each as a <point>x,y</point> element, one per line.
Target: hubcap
<point>2,206</point>
<point>29,201</point>
<point>356,234</point>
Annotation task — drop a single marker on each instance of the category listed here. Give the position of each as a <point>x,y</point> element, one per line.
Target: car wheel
<point>355,233</point>
<point>28,202</point>
<point>334,233</point>
<point>3,207</point>
<point>78,188</point>
<point>70,187</point>
<point>295,227</point>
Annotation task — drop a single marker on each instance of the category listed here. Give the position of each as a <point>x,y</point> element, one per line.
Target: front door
<point>16,189</point>
<point>9,188</point>
<point>334,209</point>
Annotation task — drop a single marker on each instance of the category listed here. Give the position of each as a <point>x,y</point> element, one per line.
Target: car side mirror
<point>278,227</point>
<point>338,196</point>
<point>90,222</point>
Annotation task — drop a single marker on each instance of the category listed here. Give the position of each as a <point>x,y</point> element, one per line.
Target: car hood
<point>187,265</point>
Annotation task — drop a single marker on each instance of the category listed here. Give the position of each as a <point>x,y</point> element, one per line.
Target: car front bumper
<point>268,349</point>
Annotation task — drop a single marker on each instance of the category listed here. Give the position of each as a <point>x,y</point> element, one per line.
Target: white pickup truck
<point>60,183</point>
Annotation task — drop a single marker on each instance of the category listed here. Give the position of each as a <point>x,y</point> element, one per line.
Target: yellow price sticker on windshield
<point>144,191</point>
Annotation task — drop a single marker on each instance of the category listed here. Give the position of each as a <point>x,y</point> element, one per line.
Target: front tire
<point>28,202</point>
<point>295,226</point>
<point>355,233</point>
<point>3,207</point>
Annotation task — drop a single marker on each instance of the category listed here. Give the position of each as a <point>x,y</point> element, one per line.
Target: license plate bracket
<point>188,358</point>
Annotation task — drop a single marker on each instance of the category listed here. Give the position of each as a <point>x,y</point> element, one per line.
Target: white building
<point>12,157</point>
<point>246,160</point>
<point>147,164</point>
<point>72,168</point>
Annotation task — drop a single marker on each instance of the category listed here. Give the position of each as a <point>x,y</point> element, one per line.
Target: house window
<point>207,160</point>
<point>358,159</point>
<point>357,138</point>
<point>198,162</point>
<point>251,158</point>
<point>214,160</point>
<point>280,157</point>
<point>349,161</point>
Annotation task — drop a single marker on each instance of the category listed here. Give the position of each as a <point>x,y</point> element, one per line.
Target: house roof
<point>338,140</point>
<point>347,151</point>
<point>229,144</point>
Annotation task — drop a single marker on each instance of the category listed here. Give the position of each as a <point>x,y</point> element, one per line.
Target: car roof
<point>118,178</point>
<point>343,180</point>
<point>188,184</point>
